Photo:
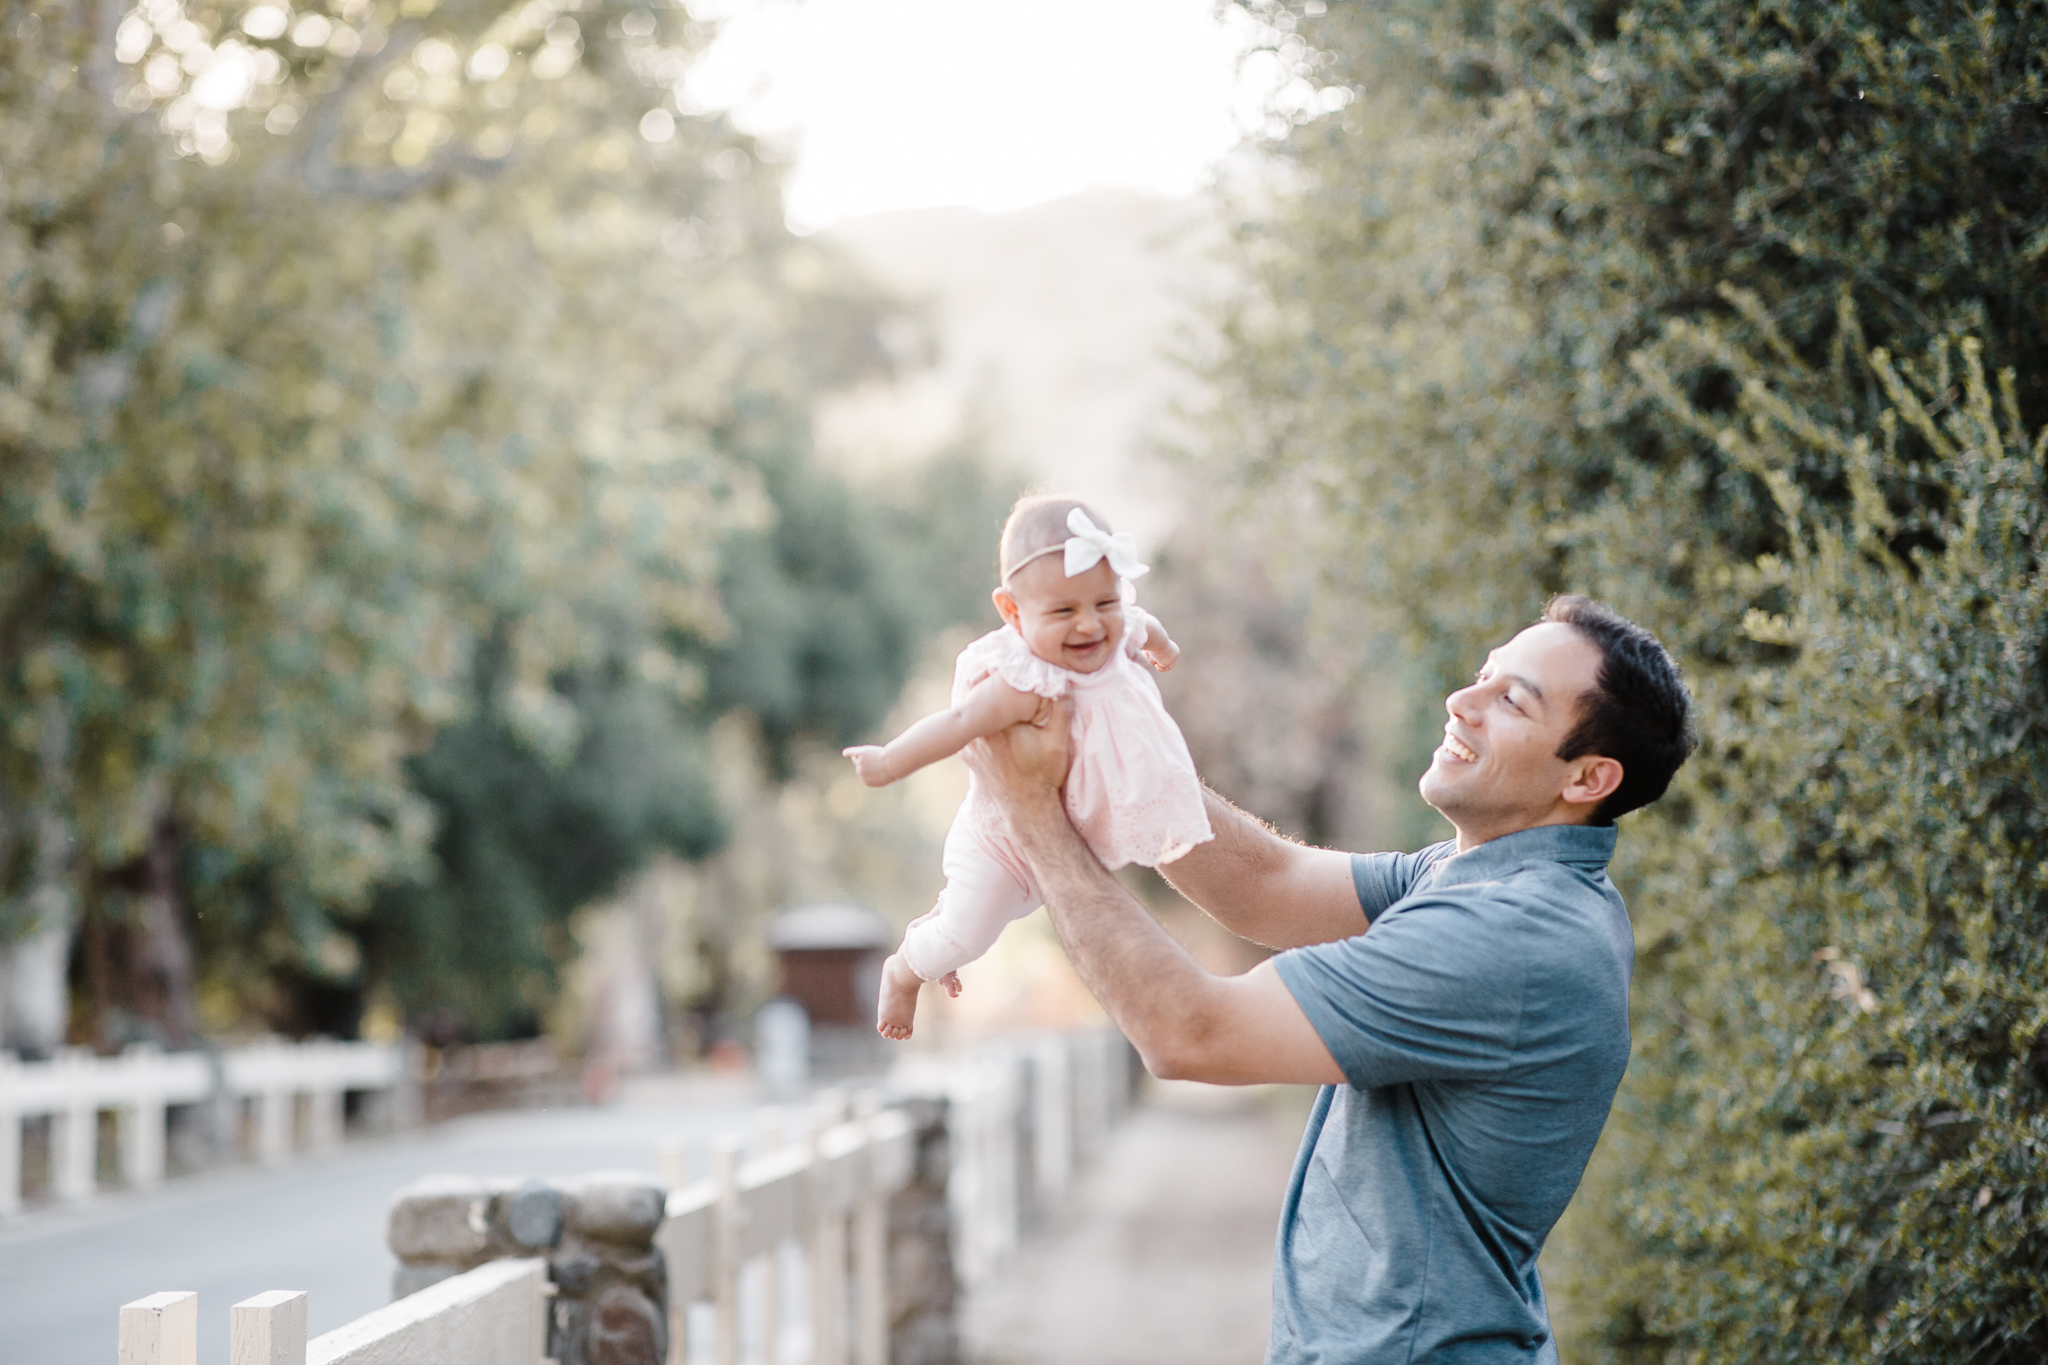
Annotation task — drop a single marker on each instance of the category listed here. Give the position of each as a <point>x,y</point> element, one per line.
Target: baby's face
<point>1076,623</point>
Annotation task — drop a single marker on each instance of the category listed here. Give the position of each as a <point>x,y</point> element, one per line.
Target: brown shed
<point>831,959</point>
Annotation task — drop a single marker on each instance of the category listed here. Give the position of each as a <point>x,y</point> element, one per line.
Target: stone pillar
<point>923,1292</point>
<point>596,1231</point>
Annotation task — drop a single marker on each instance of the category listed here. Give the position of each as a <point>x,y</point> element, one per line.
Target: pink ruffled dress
<point>1132,793</point>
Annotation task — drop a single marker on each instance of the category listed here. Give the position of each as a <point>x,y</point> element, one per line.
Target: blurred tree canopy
<point>395,397</point>
<point>1734,316</point>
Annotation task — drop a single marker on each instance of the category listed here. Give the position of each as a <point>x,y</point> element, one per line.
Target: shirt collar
<point>1586,846</point>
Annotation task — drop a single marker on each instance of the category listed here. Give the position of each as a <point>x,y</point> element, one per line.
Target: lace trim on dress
<point>1138,624</point>
<point>1004,653</point>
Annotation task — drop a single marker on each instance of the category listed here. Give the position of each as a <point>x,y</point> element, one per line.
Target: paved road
<point>315,1224</point>
<point>1163,1251</point>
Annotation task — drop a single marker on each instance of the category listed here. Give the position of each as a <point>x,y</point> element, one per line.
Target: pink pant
<point>983,892</point>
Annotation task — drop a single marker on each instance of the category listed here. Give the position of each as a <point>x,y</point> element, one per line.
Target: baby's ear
<point>1006,604</point>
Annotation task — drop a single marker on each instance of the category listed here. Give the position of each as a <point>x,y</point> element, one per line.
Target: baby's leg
<point>898,1004</point>
<point>980,897</point>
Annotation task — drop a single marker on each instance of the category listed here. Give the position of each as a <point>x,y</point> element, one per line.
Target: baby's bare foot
<point>898,1005</point>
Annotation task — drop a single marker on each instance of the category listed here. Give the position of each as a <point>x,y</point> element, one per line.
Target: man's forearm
<point>1153,990</point>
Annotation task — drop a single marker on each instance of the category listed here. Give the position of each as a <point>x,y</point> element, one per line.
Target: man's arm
<point>1264,887</point>
<point>1185,1023</point>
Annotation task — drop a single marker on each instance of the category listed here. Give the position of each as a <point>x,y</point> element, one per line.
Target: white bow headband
<point>1088,546</point>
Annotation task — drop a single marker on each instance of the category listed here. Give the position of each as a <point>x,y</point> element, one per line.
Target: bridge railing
<point>142,1084</point>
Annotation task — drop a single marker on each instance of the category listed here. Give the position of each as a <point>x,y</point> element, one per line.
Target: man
<point>1465,1008</point>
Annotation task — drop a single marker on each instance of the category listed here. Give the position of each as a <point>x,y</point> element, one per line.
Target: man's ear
<point>1006,603</point>
<point>1591,779</point>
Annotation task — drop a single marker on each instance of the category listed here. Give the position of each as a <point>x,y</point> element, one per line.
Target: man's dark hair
<point>1639,713</point>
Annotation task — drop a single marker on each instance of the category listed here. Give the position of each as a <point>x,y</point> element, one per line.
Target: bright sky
<point>990,104</point>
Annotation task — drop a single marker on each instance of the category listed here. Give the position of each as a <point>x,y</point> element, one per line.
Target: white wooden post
<point>770,1121</point>
<point>871,1246</point>
<point>725,1294</point>
<point>1091,1096</point>
<point>828,1251</point>
<point>139,1115</point>
<point>1052,1130</point>
<point>142,1142</point>
<point>75,1150</point>
<point>325,1117</point>
<point>672,1163</point>
<point>162,1329</point>
<point>273,1124</point>
<point>10,1139</point>
<point>269,1329</point>
<point>1010,1098</point>
<point>687,1237</point>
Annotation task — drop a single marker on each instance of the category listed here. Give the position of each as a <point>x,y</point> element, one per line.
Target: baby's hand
<point>1163,655</point>
<point>870,764</point>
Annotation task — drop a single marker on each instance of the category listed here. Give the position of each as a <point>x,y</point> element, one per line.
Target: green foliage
<point>1600,297</point>
<point>522,843</point>
<point>1512,200</point>
<point>1842,1051</point>
<point>832,603</point>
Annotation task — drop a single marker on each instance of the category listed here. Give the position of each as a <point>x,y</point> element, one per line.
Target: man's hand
<point>1024,764</point>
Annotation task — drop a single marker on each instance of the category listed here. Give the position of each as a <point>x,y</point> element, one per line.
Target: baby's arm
<point>990,705</point>
<point>1157,645</point>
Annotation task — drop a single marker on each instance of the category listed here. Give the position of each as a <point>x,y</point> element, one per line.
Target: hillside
<point>1053,325</point>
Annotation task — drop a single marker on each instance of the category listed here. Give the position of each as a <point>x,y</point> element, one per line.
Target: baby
<point>1131,789</point>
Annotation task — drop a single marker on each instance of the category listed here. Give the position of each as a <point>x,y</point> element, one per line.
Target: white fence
<point>827,1194</point>
<point>494,1315</point>
<point>291,1088</point>
<point>1016,1116</point>
<point>1022,1116</point>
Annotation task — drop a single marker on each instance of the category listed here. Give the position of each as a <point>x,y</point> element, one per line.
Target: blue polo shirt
<point>1481,1020</point>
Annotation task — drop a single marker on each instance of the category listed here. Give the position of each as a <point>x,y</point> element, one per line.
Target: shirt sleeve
<point>1432,991</point>
<point>1383,878</point>
<point>1138,624</point>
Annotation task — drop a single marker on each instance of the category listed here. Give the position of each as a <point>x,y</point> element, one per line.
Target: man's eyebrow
<point>1520,678</point>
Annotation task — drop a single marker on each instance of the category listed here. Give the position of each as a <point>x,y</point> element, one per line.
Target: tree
<point>363,363</point>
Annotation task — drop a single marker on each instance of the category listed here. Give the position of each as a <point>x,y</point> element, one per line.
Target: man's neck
<point>1472,835</point>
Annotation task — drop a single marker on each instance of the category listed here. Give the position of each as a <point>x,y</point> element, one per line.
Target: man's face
<point>1497,770</point>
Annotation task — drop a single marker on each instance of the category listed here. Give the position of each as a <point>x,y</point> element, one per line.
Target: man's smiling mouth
<point>1459,749</point>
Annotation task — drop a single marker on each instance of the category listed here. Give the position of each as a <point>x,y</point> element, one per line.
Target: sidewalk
<point>1163,1251</point>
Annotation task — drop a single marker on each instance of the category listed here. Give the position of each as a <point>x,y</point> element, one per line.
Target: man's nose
<point>1459,704</point>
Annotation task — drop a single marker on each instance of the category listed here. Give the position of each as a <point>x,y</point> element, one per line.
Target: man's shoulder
<point>1526,910</point>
